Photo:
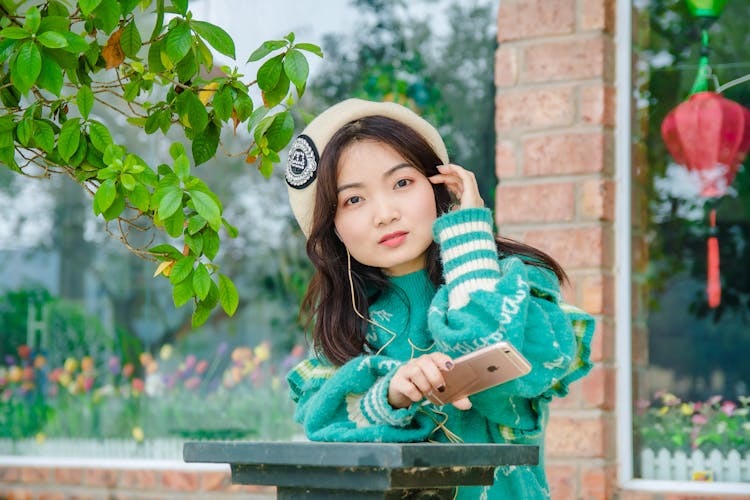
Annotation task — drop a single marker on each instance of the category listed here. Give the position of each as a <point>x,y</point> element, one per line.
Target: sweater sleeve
<point>350,403</point>
<point>486,300</point>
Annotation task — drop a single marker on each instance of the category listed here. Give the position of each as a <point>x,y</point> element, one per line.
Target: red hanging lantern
<point>710,136</point>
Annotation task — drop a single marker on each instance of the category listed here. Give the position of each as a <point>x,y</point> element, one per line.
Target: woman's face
<point>385,208</point>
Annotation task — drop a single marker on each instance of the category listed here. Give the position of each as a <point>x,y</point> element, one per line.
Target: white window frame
<point>623,332</point>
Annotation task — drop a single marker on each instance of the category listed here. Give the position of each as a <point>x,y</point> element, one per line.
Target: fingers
<point>461,183</point>
<point>462,404</point>
<point>415,379</point>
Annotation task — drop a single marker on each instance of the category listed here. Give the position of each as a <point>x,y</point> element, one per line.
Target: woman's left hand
<point>461,183</point>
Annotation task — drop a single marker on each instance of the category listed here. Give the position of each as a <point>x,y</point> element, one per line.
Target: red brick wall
<point>68,483</point>
<point>555,118</point>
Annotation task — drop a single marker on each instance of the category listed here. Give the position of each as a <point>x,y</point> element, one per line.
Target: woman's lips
<point>393,239</point>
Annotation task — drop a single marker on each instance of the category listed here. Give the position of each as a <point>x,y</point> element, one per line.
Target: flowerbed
<point>235,393</point>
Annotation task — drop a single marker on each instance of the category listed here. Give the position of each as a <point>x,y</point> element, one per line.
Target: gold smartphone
<point>480,370</point>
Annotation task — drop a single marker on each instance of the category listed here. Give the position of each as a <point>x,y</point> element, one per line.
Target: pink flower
<point>192,383</point>
<point>713,400</point>
<point>202,366</point>
<point>728,407</point>
<point>138,385</point>
<point>128,369</point>
<point>24,351</point>
<point>699,419</point>
<point>190,362</point>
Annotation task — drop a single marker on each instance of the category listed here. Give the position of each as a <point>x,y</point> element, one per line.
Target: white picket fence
<point>680,466</point>
<point>158,449</point>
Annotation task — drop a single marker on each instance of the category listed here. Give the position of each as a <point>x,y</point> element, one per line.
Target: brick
<point>101,478</point>
<point>598,105</point>
<point>50,496</point>
<point>597,200</point>
<point>638,495</point>
<point>597,483</point>
<point>575,437</point>
<point>10,474</point>
<point>583,247</point>
<point>216,481</point>
<point>19,494</point>
<point>597,294</point>
<point>534,109</point>
<point>603,343</point>
<point>505,160</point>
<point>573,400</point>
<point>533,18</point>
<point>139,479</point>
<point>562,480</point>
<point>568,153</point>
<point>578,59</point>
<point>180,480</point>
<point>535,203</point>
<point>34,475</point>
<point>598,388</point>
<point>506,66</point>
<point>69,476</point>
<point>598,15</point>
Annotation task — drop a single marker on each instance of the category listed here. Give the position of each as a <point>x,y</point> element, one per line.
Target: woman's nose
<point>385,212</point>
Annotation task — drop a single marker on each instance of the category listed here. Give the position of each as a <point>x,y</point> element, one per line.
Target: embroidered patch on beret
<point>302,165</point>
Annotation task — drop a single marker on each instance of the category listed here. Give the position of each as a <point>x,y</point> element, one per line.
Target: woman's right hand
<point>415,379</point>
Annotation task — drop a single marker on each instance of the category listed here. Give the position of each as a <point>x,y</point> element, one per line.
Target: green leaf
<point>178,42</point>
<point>6,139</point>
<point>15,33</point>
<point>296,67</point>
<point>273,97</point>
<point>205,145</point>
<point>201,281</point>
<point>281,131</point>
<point>131,90</point>
<point>60,24</point>
<point>181,292</point>
<point>175,224</point>
<point>69,138</point>
<point>222,104</point>
<point>127,181</point>
<point>231,230</point>
<point>51,75</point>
<point>130,39</point>
<point>33,19</point>
<point>195,224</point>
<point>88,6</point>
<point>228,295</point>
<point>211,243</point>
<point>180,6</point>
<point>25,130</point>
<point>170,202</point>
<point>99,135</point>
<point>195,243</point>
<point>76,43</point>
<point>206,207</point>
<point>154,56</point>
<point>80,153</point>
<point>215,36</point>
<point>107,15</point>
<point>243,105</point>
<point>139,197</point>
<point>310,47</point>
<point>114,211</point>
<point>266,48</point>
<point>176,150</point>
<point>52,40</point>
<point>44,136</point>
<point>165,250</point>
<point>182,269</point>
<point>200,315</point>
<point>192,112</point>
<point>269,72</point>
<point>182,166</point>
<point>26,66</point>
<point>266,167</point>
<point>104,196</point>
<point>85,101</point>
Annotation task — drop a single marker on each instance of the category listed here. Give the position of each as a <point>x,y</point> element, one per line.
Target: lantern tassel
<point>713,286</point>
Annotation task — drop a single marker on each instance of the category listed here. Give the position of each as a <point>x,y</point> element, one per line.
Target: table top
<point>381,455</point>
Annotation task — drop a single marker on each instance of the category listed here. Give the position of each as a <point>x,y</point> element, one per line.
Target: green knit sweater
<point>484,300</point>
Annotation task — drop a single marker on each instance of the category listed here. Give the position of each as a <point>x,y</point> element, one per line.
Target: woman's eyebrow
<point>386,174</point>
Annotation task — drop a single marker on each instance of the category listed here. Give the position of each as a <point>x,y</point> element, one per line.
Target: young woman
<point>408,276</point>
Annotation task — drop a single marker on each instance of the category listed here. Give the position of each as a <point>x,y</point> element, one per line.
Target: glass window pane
<point>691,380</point>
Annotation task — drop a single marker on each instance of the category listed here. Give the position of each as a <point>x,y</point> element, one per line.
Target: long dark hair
<point>338,333</point>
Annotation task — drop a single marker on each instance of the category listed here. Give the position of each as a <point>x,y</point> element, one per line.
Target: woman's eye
<point>403,183</point>
<point>352,200</point>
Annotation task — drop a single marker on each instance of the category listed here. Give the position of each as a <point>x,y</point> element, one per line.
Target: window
<point>691,394</point>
